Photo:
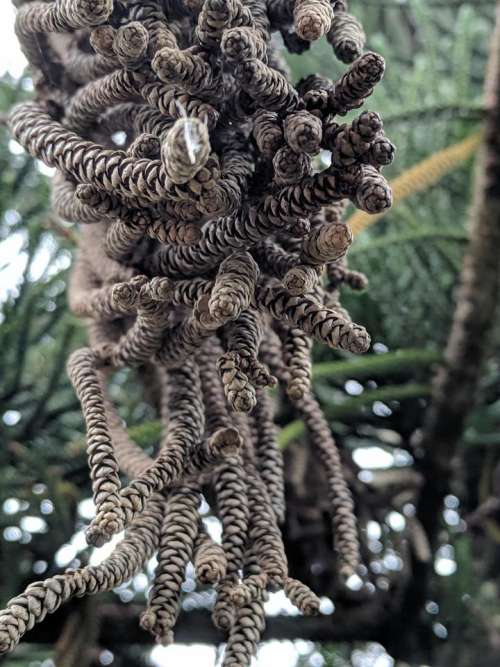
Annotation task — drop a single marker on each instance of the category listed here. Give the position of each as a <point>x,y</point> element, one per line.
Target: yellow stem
<point>422,176</point>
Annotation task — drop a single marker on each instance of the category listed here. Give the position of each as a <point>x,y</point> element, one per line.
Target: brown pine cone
<point>346,36</point>
<point>289,166</point>
<point>303,132</point>
<point>312,18</point>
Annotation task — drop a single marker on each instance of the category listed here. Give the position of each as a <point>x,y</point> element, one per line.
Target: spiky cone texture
<point>301,279</point>
<point>176,549</point>
<point>238,388</point>
<point>243,43</point>
<point>312,18</point>
<point>302,597</point>
<point>209,560</point>
<point>234,286</point>
<point>214,18</point>
<point>186,149</point>
<point>189,234</point>
<point>130,44</point>
<point>45,597</point>
<point>323,324</point>
<point>104,470</point>
<point>346,36</point>
<point>233,511</point>
<point>249,624</point>
<point>267,132</point>
<point>269,457</point>
<point>264,533</point>
<point>251,588</point>
<point>297,352</point>
<point>244,338</point>
<point>326,242</point>
<point>289,166</point>
<point>303,132</point>
<point>343,515</point>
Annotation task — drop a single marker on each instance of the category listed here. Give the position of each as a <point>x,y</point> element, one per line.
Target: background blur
<point>430,100</point>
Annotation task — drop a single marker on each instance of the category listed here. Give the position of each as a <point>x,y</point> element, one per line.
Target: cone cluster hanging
<point>211,253</point>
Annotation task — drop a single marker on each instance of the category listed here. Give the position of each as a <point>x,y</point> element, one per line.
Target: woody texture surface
<point>211,251</point>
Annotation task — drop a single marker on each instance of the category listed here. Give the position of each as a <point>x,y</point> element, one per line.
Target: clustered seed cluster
<point>211,255</point>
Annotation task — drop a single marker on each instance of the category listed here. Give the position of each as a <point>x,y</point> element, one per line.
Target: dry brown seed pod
<point>338,274</point>
<point>326,242</point>
<point>303,132</point>
<point>102,39</point>
<point>267,132</point>
<point>382,152</point>
<point>186,337</point>
<point>109,302</point>
<point>104,470</point>
<point>175,233</point>
<point>45,597</point>
<point>269,457</point>
<point>174,104</point>
<point>178,537</point>
<point>66,204</point>
<point>209,559</point>
<point>186,70</point>
<point>62,15</point>
<point>223,613</point>
<point>297,348</point>
<point>130,44</point>
<point>145,145</point>
<point>250,589</point>
<point>233,511</point>
<point>227,440</point>
<point>94,98</point>
<point>346,36</point>
<point>247,628</point>
<point>101,202</point>
<point>151,15</point>
<point>234,285</point>
<point>353,143</point>
<point>289,166</point>
<point>343,516</point>
<point>244,337</point>
<point>84,67</point>
<point>246,233</point>
<point>239,391</point>
<point>322,323</point>
<point>314,90</point>
<point>145,336</point>
<point>123,237</point>
<point>265,535</point>
<point>268,87</point>
<point>186,149</point>
<point>214,17</point>
<point>117,172</point>
<point>180,456</point>
<point>302,597</point>
<point>312,18</point>
<point>373,194</point>
<point>242,43</point>
<point>356,84</point>
<point>301,279</point>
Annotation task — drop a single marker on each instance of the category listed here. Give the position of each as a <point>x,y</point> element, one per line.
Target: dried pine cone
<point>203,245</point>
<point>347,37</point>
<point>312,18</point>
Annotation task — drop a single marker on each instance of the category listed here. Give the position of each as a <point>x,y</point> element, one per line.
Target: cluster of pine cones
<point>212,249</point>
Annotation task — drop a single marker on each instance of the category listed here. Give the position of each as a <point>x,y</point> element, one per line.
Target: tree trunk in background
<point>456,383</point>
